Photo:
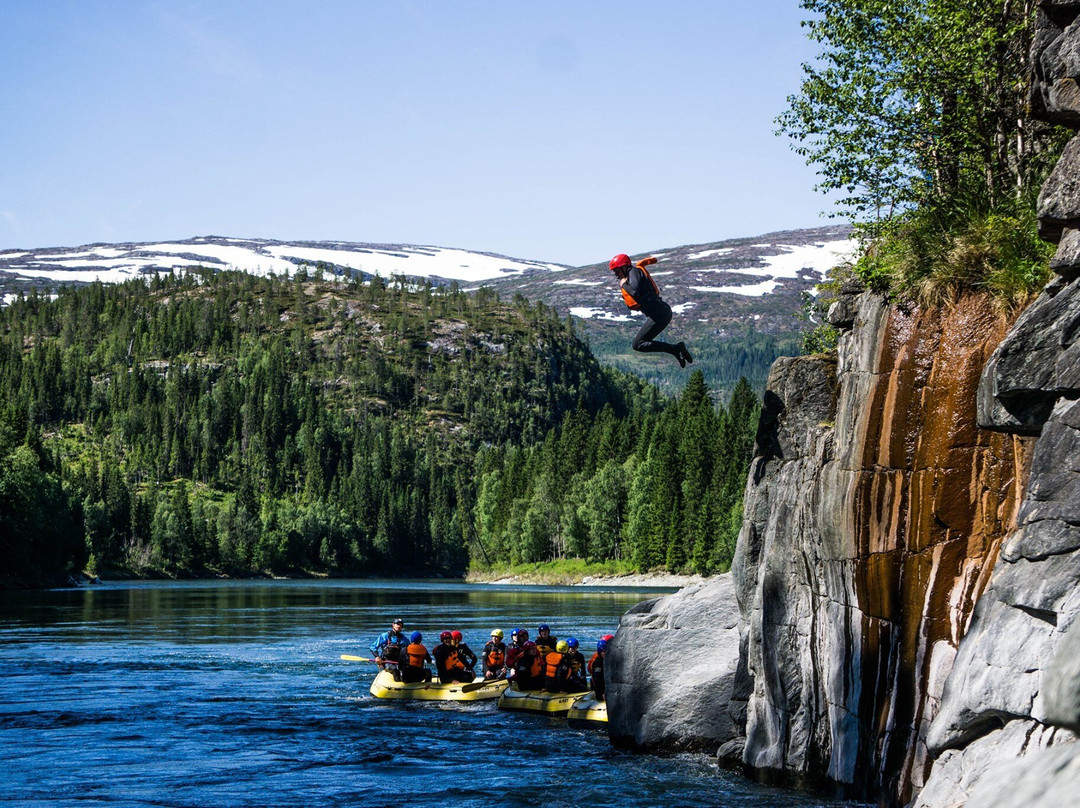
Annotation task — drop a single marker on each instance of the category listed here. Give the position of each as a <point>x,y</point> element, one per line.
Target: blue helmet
<point>600,646</point>
<point>416,636</point>
<point>544,627</point>
<point>572,642</point>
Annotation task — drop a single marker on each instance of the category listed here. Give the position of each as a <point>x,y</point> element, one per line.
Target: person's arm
<point>377,646</point>
<point>632,282</point>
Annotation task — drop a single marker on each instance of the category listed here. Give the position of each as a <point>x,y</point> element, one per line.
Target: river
<point>212,693</point>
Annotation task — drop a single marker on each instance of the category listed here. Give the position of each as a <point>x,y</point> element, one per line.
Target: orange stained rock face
<point>932,499</point>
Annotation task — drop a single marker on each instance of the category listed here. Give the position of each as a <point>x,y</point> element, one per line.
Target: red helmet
<point>620,260</point>
<point>445,636</point>
<point>529,644</point>
<point>608,637</point>
<point>457,635</point>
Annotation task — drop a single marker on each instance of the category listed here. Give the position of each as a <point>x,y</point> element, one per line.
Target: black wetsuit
<point>657,314</point>
<point>598,677</point>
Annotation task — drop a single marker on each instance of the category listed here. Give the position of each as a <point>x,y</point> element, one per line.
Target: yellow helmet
<point>562,647</point>
<point>497,633</point>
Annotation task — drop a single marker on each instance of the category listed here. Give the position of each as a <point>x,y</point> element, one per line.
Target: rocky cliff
<point>875,510</point>
<point>909,564</point>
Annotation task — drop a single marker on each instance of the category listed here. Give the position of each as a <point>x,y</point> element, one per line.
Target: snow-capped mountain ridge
<point>118,262</point>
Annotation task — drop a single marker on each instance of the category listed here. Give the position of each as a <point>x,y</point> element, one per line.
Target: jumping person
<point>641,293</point>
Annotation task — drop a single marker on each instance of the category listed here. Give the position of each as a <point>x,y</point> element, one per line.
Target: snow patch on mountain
<point>588,313</point>
<point>117,262</point>
<point>750,290</point>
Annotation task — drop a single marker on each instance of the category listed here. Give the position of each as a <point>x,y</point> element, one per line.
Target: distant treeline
<point>227,422</point>
<point>659,490</point>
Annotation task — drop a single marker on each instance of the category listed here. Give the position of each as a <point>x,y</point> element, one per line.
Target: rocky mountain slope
<point>736,301</point>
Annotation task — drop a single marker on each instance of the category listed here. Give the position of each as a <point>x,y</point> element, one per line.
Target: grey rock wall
<point>874,509</point>
<point>1015,686</point>
<point>670,670</point>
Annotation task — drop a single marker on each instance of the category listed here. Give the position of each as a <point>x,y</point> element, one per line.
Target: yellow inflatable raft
<point>385,686</point>
<point>537,701</point>
<point>588,709</point>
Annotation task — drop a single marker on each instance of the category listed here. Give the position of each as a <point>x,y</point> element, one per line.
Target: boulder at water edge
<point>671,667</point>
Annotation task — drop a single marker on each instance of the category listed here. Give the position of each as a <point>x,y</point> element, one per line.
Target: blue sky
<point>560,131</point>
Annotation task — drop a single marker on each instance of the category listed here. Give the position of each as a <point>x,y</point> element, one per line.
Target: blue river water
<point>230,693</point>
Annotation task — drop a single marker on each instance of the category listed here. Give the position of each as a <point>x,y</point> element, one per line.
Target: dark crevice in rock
<point>1046,615</point>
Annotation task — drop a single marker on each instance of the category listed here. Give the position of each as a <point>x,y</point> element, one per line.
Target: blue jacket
<point>385,639</point>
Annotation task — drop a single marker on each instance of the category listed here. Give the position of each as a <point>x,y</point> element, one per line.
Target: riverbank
<point>572,572</point>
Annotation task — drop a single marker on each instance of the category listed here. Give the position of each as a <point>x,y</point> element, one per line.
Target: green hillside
<point>222,422</point>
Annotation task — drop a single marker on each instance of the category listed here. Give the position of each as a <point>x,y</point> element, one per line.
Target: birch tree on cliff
<point>918,101</point>
<point>915,114</point>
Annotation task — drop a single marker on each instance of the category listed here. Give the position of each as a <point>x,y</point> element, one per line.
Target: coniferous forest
<point>215,423</point>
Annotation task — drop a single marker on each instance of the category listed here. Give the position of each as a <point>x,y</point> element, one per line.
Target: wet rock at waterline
<point>670,670</point>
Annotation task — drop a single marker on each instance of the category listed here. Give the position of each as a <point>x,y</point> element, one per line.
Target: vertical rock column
<point>865,544</point>
<point>995,706</point>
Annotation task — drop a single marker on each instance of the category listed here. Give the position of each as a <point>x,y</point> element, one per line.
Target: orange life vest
<point>453,661</point>
<point>553,659</point>
<point>644,262</point>
<point>536,666</point>
<point>495,658</point>
<point>415,654</point>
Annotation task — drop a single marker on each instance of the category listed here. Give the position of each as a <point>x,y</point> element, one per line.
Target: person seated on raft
<point>448,662</point>
<point>596,667</point>
<point>518,638</point>
<point>495,656</point>
<point>576,661</point>
<point>414,657</point>
<point>387,648</point>
<point>544,641</point>
<point>529,668</point>
<point>592,660</point>
<point>554,671</point>
<point>465,653</point>
<point>571,674</point>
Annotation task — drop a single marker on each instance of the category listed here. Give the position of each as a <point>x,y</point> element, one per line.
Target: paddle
<point>477,685</point>
<point>351,658</point>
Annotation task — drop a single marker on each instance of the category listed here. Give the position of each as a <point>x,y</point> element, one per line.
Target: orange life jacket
<point>536,666</point>
<point>415,654</point>
<point>644,262</point>
<point>553,659</point>
<point>495,658</point>
<point>453,660</point>
<point>592,661</point>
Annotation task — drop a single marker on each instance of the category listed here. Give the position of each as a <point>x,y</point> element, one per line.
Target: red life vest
<point>644,262</point>
<point>415,654</point>
<point>553,660</point>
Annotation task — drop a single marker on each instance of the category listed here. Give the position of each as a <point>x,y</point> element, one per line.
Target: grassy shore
<point>570,572</point>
